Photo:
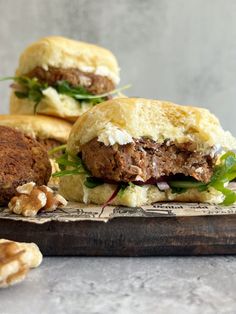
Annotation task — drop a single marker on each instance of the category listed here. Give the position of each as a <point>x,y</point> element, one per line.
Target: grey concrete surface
<point>126,285</point>
<point>181,50</point>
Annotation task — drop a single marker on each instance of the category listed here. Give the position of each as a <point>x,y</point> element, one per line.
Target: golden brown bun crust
<point>65,53</point>
<point>60,106</point>
<point>158,120</point>
<point>38,126</point>
<point>73,189</point>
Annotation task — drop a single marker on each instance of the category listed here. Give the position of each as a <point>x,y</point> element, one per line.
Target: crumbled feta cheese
<point>104,71</point>
<point>101,70</point>
<point>52,94</point>
<point>112,135</point>
<point>60,100</point>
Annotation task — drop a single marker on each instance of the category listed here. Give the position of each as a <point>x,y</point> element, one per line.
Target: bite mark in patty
<point>93,83</point>
<point>145,159</point>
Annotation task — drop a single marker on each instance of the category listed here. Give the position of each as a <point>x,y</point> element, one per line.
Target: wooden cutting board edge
<point>129,236</point>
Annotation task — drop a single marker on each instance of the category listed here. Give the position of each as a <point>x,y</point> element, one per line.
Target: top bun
<point>66,53</point>
<point>37,126</point>
<point>119,120</point>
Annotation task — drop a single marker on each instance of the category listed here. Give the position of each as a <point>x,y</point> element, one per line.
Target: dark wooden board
<point>129,236</point>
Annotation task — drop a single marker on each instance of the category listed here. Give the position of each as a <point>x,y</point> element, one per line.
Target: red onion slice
<point>111,198</point>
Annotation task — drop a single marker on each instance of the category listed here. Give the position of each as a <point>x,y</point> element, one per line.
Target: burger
<point>22,160</point>
<point>61,77</point>
<point>137,151</point>
<point>50,132</point>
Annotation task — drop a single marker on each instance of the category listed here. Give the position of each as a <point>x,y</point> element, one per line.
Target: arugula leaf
<point>21,95</point>
<point>92,182</point>
<point>63,87</point>
<point>29,88</point>
<point>115,91</point>
<point>178,190</point>
<point>223,173</point>
<point>76,167</point>
<point>32,89</point>
<point>74,163</point>
<point>80,93</point>
<point>57,149</point>
<point>63,173</point>
<point>123,187</point>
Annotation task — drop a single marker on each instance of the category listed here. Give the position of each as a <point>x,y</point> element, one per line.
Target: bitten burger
<point>137,151</point>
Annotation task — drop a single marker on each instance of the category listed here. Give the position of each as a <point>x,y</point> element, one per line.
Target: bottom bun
<point>73,189</point>
<point>61,106</point>
<point>52,104</point>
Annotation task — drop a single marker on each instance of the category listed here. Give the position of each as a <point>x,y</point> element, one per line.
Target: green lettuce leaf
<point>75,166</point>
<point>54,150</point>
<point>29,88</point>
<point>32,89</point>
<point>78,93</point>
<point>92,182</point>
<point>223,173</point>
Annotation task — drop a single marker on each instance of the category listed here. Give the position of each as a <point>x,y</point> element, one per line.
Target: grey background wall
<point>179,50</point>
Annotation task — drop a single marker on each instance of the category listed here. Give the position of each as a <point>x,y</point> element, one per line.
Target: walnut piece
<point>31,199</point>
<point>28,205</point>
<point>15,261</point>
<point>53,200</point>
<point>26,188</point>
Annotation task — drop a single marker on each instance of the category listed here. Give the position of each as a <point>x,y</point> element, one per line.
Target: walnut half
<point>15,261</point>
<point>31,199</point>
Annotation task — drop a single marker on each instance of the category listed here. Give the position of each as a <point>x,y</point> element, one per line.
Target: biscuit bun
<point>53,104</point>
<point>39,126</point>
<point>66,53</point>
<point>60,52</point>
<point>73,189</point>
<point>158,120</point>
<point>136,118</point>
